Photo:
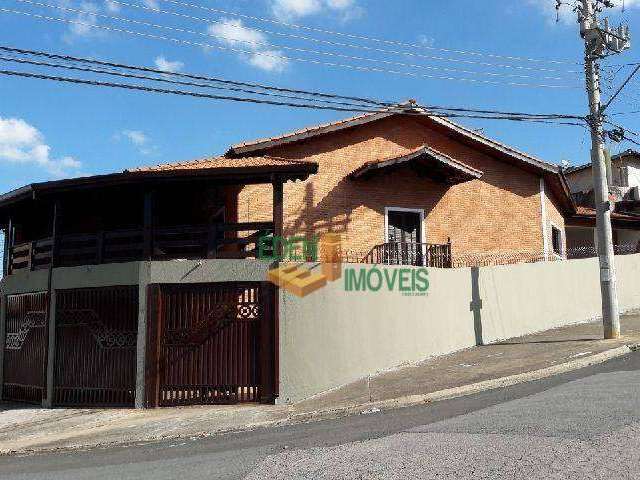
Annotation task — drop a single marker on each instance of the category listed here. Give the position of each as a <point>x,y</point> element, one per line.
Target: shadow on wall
<point>476,304</point>
<point>309,219</point>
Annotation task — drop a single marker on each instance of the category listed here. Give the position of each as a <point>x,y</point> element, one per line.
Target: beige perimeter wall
<point>333,337</point>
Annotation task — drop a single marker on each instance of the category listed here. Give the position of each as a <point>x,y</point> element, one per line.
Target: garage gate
<point>210,343</point>
<point>95,347</point>
<point>96,336</point>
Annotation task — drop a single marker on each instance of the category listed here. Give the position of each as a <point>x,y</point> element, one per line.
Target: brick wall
<point>499,212</point>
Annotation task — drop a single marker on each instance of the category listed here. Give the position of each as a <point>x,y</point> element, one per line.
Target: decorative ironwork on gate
<point>25,357</point>
<point>15,340</point>
<point>106,338</point>
<point>205,343</point>
<point>96,335</point>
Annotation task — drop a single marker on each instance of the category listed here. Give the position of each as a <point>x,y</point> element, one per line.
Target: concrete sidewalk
<point>25,429</point>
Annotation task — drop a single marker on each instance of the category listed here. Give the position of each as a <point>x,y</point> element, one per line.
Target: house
<point>142,287</point>
<point>406,178</point>
<point>625,219</point>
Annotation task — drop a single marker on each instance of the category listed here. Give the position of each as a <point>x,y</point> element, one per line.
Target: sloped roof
<point>244,171</point>
<point>587,216</point>
<point>445,168</point>
<point>627,153</point>
<point>400,110</point>
<point>217,163</point>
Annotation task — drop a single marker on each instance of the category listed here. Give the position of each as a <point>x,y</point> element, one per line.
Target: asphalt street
<point>581,425</point>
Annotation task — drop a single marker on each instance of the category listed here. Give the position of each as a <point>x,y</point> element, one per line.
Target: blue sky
<point>50,130</point>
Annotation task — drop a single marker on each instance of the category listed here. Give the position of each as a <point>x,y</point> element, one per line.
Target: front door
<point>404,236</point>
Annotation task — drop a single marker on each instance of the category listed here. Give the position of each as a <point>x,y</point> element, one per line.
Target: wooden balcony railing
<point>415,254</point>
<point>227,240</point>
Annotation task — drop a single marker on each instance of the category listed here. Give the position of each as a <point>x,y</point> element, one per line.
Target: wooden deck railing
<point>228,240</point>
<point>416,254</point>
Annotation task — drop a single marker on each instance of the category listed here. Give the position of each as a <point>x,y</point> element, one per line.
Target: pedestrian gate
<point>25,354</point>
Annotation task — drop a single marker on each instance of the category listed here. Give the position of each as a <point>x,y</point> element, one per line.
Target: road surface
<point>580,425</point>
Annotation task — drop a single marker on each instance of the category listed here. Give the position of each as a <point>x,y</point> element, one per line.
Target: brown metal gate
<point>25,354</point>
<point>96,335</point>
<point>210,343</point>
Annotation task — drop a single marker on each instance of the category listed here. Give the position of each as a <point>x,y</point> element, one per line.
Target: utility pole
<point>598,43</point>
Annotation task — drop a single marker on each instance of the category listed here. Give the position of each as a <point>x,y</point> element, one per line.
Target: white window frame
<point>563,250</point>
<point>423,233</point>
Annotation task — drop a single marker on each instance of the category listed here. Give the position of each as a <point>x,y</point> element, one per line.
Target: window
<point>556,240</point>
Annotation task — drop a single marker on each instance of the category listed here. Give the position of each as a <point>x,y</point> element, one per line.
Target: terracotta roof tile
<point>222,162</point>
<point>247,147</point>
<point>426,150</point>
<point>590,212</point>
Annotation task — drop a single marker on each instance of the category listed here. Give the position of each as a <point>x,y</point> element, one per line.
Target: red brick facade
<point>502,211</point>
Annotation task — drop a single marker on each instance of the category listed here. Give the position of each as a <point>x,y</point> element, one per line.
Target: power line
<point>163,80</point>
<point>364,37</point>
<point>398,109</point>
<point>271,54</point>
<point>348,45</point>
<point>165,74</point>
<point>306,60</point>
<point>195,77</point>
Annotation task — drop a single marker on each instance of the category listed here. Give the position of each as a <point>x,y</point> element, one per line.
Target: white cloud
<point>340,4</point>
<point>426,41</point>
<point>232,33</point>
<point>111,6</point>
<point>138,139</point>
<point>151,3</point>
<point>291,9</point>
<point>566,15</point>
<point>268,60</point>
<point>167,65</point>
<point>22,143</point>
<point>85,19</point>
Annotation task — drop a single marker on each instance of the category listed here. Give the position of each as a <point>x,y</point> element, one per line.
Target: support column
<point>270,344</point>
<point>51,308</point>
<point>51,350</point>
<point>148,225</point>
<point>141,344</point>
<point>5,253</point>
<point>278,211</point>
<point>3,336</point>
<point>8,246</point>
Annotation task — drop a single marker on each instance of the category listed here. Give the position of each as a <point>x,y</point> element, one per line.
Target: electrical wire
<point>364,37</point>
<point>398,109</point>
<point>312,61</point>
<point>347,45</point>
<point>271,54</point>
<point>165,75</point>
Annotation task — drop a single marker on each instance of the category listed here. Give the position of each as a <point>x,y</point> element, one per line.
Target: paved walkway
<point>25,428</point>
<point>513,356</point>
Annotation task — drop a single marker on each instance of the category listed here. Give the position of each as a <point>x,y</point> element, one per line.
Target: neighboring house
<point>625,188</point>
<point>411,178</point>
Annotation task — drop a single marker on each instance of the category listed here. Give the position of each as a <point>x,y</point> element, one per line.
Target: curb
<point>465,390</point>
<point>364,408</point>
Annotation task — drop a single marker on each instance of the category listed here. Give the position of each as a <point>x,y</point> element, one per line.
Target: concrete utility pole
<point>598,42</point>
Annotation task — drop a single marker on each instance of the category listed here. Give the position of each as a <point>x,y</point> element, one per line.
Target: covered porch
<point>186,211</point>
